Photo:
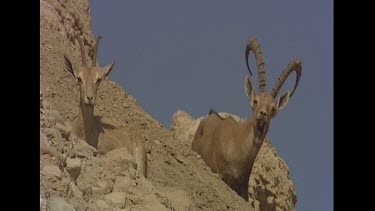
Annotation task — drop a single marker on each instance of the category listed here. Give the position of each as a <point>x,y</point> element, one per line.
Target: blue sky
<point>189,55</point>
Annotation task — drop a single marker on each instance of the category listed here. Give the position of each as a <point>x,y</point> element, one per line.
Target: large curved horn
<point>83,54</point>
<point>253,45</point>
<point>96,50</point>
<point>294,65</point>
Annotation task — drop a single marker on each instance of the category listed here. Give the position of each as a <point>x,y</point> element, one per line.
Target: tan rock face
<point>116,199</point>
<point>73,167</point>
<point>52,171</point>
<point>179,199</point>
<point>183,126</point>
<point>181,118</point>
<point>269,183</point>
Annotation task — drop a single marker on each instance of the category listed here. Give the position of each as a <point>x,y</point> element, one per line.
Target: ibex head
<point>264,105</point>
<point>88,77</point>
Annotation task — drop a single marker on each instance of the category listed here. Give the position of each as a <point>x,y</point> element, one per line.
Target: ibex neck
<point>251,141</point>
<point>255,133</point>
<point>85,121</point>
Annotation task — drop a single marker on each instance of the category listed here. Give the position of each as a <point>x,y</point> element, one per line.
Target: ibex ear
<point>249,91</point>
<point>69,66</point>
<point>107,69</point>
<point>282,101</point>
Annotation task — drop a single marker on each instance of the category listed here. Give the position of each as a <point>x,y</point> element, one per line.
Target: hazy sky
<point>189,55</point>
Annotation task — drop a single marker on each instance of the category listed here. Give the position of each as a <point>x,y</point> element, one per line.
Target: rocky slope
<point>73,176</point>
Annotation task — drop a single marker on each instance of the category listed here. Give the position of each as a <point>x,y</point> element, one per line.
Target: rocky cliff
<point>73,176</point>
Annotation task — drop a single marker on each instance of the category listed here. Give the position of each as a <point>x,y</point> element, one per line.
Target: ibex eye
<point>79,80</point>
<point>255,101</point>
<point>98,81</point>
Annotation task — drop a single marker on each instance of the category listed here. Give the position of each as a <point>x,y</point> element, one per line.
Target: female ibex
<point>100,132</point>
<point>229,147</point>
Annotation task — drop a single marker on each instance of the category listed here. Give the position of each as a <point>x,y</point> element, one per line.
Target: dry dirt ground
<point>73,176</point>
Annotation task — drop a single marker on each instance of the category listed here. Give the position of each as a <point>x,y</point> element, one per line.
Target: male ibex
<point>229,147</point>
<point>100,132</point>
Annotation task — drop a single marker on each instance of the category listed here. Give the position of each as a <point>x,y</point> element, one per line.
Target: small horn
<point>294,65</point>
<point>83,54</point>
<point>96,51</point>
<point>253,45</point>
